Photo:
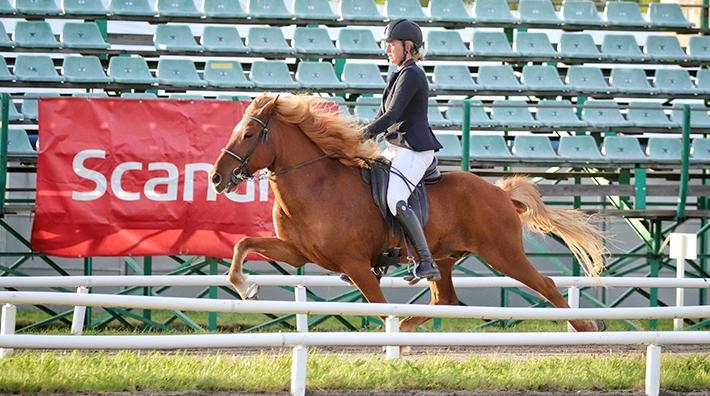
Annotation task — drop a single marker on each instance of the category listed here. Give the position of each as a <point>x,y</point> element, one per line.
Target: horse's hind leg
<point>272,248</point>
<point>442,293</point>
<point>513,263</point>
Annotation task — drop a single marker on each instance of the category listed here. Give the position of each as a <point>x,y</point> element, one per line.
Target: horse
<point>324,212</point>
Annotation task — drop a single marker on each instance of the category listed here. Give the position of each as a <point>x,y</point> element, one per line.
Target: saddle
<point>377,176</point>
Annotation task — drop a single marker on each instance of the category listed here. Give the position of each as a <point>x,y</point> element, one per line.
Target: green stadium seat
<point>702,80</point>
<point>489,148</point>
<point>649,115</point>
<point>13,113</point>
<point>493,11</point>
<point>222,39</point>
<point>409,9</point>
<point>139,95</point>
<point>662,149</point>
<point>699,117</point>
<point>84,69</point>
<point>451,150</point>
<point>360,10</point>
<point>34,34</point>
<point>318,75</point>
<point>667,15</point>
<point>175,38</point>
<point>533,148</point>
<point>538,11</point>
<point>604,114</point>
<point>477,114</point>
<point>485,43</point>
<point>18,143</point>
<point>5,74</point>
<point>675,82</point>
<point>699,48</point>
<point>513,114</point>
<point>534,45</point>
<point>131,7</point>
<point>36,68</point>
<point>435,117</point>
<point>578,45</point>
<point>579,148</point>
<point>225,74</point>
<point>366,108</point>
<point>622,47</point>
<point>30,103</point>
<point>6,8</point>
<point>5,41</point>
<point>223,9</point>
<point>186,96</point>
<point>581,12</point>
<point>267,40</point>
<point>130,70</point>
<point>313,41</point>
<point>268,9</point>
<point>177,8</point>
<point>453,77</point>
<point>272,74</point>
<point>588,79</point>
<point>700,150</point>
<point>37,7</point>
<point>313,9</point>
<point>178,72</point>
<point>543,78</point>
<point>448,11</point>
<point>98,94</point>
<point>665,48</point>
<point>623,149</point>
<point>498,77</point>
<point>363,76</point>
<point>84,35</point>
<point>624,13</point>
<point>445,43</point>
<point>84,7</point>
<point>358,41</point>
<point>631,80</point>
<point>558,114</point>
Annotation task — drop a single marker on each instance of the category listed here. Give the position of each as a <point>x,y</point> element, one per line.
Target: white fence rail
<point>302,339</point>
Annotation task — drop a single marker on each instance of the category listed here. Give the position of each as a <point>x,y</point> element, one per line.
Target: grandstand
<point>585,96</point>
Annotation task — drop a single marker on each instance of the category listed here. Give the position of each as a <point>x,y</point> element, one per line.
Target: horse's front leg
<point>272,248</point>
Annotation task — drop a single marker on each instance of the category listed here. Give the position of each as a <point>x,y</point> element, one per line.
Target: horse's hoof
<point>345,278</point>
<point>600,325</point>
<point>252,292</point>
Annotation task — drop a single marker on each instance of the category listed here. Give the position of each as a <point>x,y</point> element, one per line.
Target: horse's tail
<point>574,227</point>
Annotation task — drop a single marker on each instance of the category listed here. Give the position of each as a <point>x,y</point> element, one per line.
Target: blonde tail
<point>584,240</point>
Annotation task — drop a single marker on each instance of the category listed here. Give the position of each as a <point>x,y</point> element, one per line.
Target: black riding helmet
<point>404,29</point>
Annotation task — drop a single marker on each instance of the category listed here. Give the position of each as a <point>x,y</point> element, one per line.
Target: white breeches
<point>412,164</point>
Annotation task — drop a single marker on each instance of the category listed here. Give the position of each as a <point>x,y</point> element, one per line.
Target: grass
<point>134,371</point>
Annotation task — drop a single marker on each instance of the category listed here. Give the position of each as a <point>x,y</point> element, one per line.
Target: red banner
<point>122,177</point>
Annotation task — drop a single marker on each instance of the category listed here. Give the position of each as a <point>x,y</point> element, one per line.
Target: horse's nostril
<point>216,178</point>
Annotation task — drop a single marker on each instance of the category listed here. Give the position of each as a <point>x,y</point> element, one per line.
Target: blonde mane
<point>332,133</point>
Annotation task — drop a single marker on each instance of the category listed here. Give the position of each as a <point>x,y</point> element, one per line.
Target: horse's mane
<point>319,119</point>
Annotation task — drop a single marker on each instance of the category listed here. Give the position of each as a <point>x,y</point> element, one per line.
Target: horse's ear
<point>268,108</point>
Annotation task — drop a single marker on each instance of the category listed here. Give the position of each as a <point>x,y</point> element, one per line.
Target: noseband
<point>242,173</point>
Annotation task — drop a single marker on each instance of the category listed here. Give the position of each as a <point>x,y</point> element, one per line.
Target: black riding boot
<point>426,268</point>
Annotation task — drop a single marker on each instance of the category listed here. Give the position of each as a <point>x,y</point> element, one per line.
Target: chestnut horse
<point>324,212</point>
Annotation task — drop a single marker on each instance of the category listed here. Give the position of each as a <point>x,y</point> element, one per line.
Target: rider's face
<point>395,51</point>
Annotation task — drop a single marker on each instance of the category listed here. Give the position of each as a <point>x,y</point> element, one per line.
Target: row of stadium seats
<point>577,149</point>
<point>262,40</point>
<point>275,74</point>
<point>572,12</point>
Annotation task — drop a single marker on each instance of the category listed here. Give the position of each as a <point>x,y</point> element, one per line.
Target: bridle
<point>242,172</point>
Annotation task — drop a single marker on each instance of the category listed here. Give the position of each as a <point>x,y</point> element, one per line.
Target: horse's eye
<point>248,135</point>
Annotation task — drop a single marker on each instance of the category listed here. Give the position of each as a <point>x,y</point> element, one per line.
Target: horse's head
<point>248,148</point>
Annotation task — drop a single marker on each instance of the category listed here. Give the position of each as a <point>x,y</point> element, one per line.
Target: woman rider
<point>410,143</point>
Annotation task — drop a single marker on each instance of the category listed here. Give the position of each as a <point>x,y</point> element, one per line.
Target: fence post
<point>77,321</point>
<point>7,326</point>
<point>682,247</point>
<point>653,370</point>
<point>299,359</point>
<point>573,301</point>
<point>392,326</point>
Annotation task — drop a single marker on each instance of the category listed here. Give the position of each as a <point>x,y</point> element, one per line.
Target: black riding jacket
<point>404,109</point>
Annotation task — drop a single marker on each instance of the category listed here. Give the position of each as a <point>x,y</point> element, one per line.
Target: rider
<point>410,143</point>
